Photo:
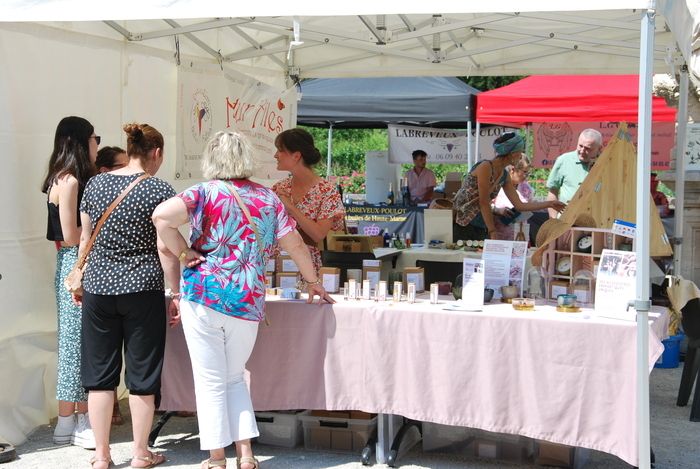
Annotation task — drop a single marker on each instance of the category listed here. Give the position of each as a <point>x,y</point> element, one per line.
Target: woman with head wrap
<point>474,218</point>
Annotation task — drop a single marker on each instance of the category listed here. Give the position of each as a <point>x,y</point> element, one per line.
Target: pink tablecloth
<point>547,375</point>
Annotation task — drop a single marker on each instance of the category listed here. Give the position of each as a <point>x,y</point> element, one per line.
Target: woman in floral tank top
<point>473,216</point>
<point>235,226</point>
<point>313,202</point>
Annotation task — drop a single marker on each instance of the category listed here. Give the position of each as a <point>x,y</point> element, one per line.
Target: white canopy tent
<point>118,62</point>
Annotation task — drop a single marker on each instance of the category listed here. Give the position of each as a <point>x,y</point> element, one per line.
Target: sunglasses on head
<point>97,138</point>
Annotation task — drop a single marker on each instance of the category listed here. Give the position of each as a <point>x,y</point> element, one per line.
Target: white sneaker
<point>82,434</point>
<point>65,426</point>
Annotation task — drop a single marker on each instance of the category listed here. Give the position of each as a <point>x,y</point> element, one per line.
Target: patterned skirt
<point>69,386</point>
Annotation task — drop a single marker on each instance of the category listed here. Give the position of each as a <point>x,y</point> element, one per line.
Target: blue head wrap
<point>508,143</point>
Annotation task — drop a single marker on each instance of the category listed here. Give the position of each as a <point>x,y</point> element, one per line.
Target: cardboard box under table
<point>330,278</point>
<point>337,431</point>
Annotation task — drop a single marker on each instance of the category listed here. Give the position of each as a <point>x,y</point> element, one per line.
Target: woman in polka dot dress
<point>71,164</point>
<point>124,299</point>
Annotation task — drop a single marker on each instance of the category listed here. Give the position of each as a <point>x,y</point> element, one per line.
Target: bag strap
<point>247,214</point>
<point>103,218</point>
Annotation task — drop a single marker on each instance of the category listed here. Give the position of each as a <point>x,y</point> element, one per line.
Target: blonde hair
<point>227,155</point>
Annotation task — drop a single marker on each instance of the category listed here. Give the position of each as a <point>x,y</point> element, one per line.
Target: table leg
<point>387,427</point>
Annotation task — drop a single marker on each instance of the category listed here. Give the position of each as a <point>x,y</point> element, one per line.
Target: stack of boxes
<point>287,271</point>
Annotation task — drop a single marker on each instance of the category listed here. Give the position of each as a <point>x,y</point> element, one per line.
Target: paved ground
<point>675,440</point>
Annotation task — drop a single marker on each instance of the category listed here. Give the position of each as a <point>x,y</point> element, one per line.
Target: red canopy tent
<point>560,106</point>
<point>568,98</point>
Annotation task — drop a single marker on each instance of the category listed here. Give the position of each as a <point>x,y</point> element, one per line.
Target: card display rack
<point>579,248</point>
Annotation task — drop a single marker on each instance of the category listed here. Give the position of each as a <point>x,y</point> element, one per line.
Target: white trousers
<point>219,347</point>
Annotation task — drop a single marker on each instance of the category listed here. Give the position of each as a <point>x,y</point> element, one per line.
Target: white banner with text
<point>210,101</point>
<point>441,145</point>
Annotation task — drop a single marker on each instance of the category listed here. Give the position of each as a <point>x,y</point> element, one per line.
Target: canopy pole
<point>642,305</point>
<point>329,155</point>
<point>476,142</point>
<point>469,145</point>
<point>681,142</point>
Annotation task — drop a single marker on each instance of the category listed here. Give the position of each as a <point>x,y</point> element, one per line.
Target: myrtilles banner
<point>210,101</point>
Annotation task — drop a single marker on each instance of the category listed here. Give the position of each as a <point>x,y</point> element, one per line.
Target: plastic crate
<point>336,434</point>
<point>279,428</point>
<point>473,442</point>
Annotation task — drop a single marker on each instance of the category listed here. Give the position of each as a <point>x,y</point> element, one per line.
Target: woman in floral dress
<point>312,201</point>
<point>235,225</point>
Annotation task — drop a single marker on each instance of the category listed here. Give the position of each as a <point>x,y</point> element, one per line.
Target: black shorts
<point>135,320</point>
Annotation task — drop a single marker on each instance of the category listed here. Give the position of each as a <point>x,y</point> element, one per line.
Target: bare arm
<point>317,230</point>
<point>518,204</point>
<point>294,245</point>
<point>429,194</point>
<point>67,204</point>
<point>483,177</point>
<point>553,194</point>
<point>167,218</point>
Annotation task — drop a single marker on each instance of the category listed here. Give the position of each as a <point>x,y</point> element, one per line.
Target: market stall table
<point>564,378</point>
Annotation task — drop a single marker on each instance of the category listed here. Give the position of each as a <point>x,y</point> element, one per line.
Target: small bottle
<point>393,240</point>
<point>387,239</point>
<point>390,195</point>
<point>408,239</point>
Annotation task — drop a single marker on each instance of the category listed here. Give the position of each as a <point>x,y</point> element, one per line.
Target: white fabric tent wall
<point>48,74</point>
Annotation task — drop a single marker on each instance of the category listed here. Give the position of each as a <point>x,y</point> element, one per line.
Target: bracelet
<point>317,282</point>
<point>174,296</point>
<point>183,254</point>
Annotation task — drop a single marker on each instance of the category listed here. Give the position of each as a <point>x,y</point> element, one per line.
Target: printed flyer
<point>505,264</point>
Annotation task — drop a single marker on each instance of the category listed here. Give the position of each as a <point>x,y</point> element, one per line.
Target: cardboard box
<point>371,262</point>
<point>334,433</point>
<point>353,243</point>
<point>271,265</point>
<point>453,181</point>
<point>330,278</point>
<point>415,275</point>
<point>287,280</point>
<point>269,279</point>
<point>286,264</point>
<point>554,454</point>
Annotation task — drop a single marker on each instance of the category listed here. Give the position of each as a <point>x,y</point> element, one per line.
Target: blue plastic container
<point>672,352</point>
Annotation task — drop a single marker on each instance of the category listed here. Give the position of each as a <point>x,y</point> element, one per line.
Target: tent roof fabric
<point>572,98</point>
<point>374,102</point>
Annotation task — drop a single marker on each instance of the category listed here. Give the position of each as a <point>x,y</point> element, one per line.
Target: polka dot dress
<point>124,258</point>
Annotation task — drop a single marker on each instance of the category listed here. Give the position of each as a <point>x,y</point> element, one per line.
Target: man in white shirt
<point>421,180</point>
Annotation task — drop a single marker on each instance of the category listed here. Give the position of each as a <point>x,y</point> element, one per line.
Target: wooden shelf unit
<point>566,246</point>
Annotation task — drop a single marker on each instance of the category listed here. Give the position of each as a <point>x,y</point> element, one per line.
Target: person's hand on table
<point>317,289</point>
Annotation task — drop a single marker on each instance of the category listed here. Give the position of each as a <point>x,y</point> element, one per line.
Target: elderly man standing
<point>421,180</point>
<point>570,169</point>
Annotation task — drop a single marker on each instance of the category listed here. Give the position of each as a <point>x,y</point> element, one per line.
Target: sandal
<point>151,460</point>
<point>247,460</point>
<point>95,460</point>
<point>7,452</point>
<point>212,463</point>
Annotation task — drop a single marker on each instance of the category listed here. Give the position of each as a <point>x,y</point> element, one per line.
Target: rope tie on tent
<point>177,49</point>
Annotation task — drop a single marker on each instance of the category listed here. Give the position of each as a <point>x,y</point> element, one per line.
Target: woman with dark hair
<point>110,158</point>
<point>124,298</point>
<point>312,201</point>
<point>71,164</point>
<point>474,217</point>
